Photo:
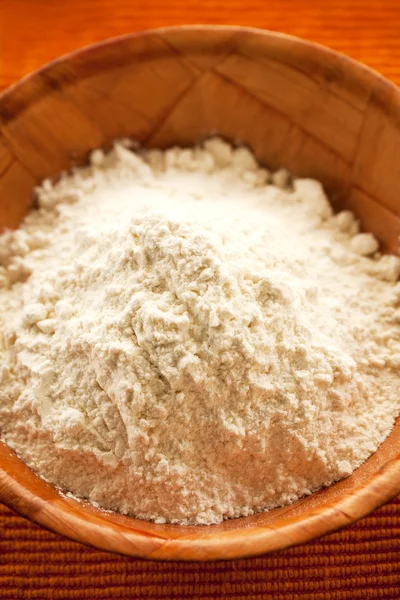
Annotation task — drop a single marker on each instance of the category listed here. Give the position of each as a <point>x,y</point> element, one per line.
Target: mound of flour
<point>186,337</point>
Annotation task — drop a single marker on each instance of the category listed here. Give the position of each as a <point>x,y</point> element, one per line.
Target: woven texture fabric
<point>360,562</point>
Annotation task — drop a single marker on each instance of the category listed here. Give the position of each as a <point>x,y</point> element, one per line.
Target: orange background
<point>36,31</point>
<point>362,561</point>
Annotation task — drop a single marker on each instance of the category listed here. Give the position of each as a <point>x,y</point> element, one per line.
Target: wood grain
<point>296,104</point>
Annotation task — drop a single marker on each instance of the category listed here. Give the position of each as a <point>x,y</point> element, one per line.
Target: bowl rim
<point>65,516</point>
<point>6,95</point>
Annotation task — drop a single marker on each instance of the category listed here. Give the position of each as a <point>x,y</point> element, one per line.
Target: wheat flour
<point>186,337</point>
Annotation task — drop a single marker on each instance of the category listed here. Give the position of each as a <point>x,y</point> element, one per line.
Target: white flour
<point>183,342</point>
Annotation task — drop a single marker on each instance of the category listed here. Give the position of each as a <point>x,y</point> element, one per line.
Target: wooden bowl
<point>296,104</point>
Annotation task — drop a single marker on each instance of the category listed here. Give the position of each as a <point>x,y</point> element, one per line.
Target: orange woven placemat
<point>360,562</point>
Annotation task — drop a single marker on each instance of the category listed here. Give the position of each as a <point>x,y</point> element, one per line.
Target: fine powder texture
<point>186,337</point>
